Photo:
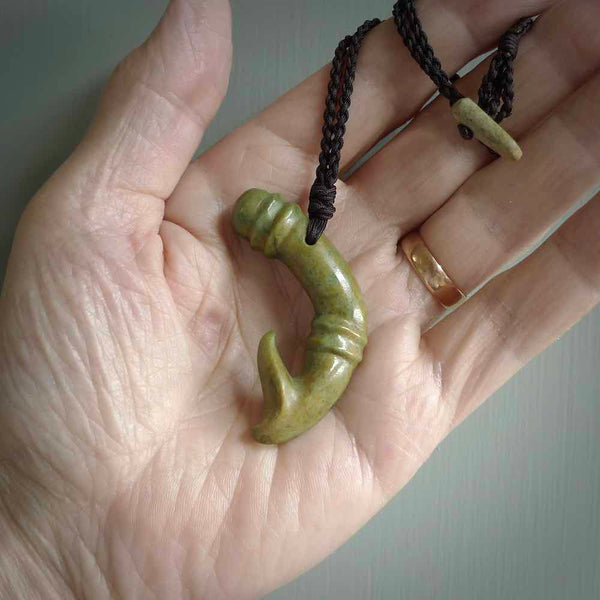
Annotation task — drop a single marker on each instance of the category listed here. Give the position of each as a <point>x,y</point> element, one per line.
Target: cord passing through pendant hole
<point>465,132</point>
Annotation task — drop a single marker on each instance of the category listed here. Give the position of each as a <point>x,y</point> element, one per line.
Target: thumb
<point>153,114</point>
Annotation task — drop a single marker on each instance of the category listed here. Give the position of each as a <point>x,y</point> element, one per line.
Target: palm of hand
<point>138,326</point>
<point>160,390</point>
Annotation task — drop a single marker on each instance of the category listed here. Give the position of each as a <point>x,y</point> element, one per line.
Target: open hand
<point>131,314</point>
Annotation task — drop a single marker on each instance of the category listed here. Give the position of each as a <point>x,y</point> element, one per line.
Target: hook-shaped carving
<point>339,330</point>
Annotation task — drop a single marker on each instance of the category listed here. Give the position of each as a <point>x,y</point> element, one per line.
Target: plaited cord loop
<point>496,93</point>
<point>496,96</point>
<point>337,110</point>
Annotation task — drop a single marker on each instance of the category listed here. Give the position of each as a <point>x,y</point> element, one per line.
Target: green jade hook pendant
<point>293,405</point>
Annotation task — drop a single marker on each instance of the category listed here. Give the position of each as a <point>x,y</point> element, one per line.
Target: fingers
<point>436,161</point>
<point>278,149</point>
<point>419,170</point>
<point>519,313</point>
<point>154,111</point>
<point>390,86</point>
<point>504,210</point>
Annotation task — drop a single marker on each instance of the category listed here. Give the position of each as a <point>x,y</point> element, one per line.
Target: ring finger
<point>549,69</point>
<point>505,210</point>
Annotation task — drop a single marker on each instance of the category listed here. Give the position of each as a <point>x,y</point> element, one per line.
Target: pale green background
<point>509,506</point>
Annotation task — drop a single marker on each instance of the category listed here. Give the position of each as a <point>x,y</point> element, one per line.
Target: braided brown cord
<point>496,96</point>
<point>415,39</point>
<point>337,106</point>
<point>496,93</point>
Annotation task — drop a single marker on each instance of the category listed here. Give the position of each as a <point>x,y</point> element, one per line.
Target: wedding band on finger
<point>429,270</point>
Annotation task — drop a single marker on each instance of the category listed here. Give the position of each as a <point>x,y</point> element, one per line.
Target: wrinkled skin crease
<point>131,413</point>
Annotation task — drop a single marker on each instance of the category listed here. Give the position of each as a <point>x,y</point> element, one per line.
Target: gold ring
<point>429,270</point>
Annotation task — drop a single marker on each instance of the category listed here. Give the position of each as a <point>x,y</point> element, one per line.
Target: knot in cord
<point>496,96</point>
<point>509,45</point>
<point>496,93</point>
<point>320,209</point>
